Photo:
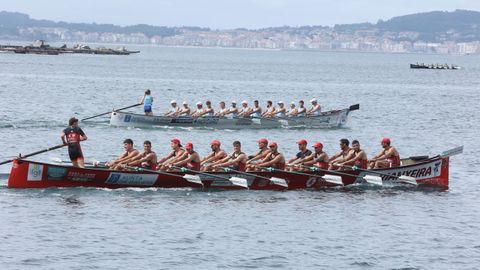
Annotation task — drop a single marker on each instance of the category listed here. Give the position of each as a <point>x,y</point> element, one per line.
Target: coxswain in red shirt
<point>388,157</point>
<point>189,160</point>
<point>147,159</point>
<point>72,136</point>
<point>317,159</point>
<point>236,160</point>
<point>274,159</point>
<point>359,158</point>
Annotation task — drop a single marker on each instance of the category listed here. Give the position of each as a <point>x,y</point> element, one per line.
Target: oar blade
<point>237,181</point>
<point>193,179</point>
<point>279,181</point>
<point>372,179</point>
<point>56,159</point>
<point>334,179</point>
<point>408,180</point>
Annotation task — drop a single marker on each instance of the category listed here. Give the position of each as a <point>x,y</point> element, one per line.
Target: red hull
<point>29,174</point>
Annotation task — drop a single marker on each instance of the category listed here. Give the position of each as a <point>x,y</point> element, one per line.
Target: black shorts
<point>75,152</point>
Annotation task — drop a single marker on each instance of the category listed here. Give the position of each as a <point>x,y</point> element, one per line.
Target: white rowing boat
<point>329,119</point>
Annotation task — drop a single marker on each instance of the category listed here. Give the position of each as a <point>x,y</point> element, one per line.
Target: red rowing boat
<point>432,172</point>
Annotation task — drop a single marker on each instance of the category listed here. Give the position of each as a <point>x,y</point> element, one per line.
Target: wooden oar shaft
<point>152,171</point>
<point>308,174</point>
<point>34,153</point>
<point>124,108</point>
<point>246,173</point>
<point>199,172</point>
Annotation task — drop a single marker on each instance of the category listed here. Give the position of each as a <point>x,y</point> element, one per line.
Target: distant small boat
<point>433,66</point>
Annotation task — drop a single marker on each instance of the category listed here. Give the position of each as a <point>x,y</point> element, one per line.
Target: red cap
<point>263,140</point>
<point>273,144</point>
<point>317,145</point>
<point>217,142</point>
<point>189,145</point>
<point>302,141</point>
<point>175,140</point>
<point>386,140</point>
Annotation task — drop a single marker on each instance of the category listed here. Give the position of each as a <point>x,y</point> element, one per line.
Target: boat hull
<point>30,174</point>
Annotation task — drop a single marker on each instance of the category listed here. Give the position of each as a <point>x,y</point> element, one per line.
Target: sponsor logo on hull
<point>81,177</point>
<point>420,172</point>
<point>35,172</point>
<point>132,179</point>
<point>56,173</point>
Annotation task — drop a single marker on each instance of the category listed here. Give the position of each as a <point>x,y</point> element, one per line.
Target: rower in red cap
<point>259,155</point>
<point>300,156</point>
<point>189,160</point>
<point>177,152</point>
<point>274,159</point>
<point>359,158</point>
<point>236,160</point>
<point>388,157</point>
<point>317,159</point>
<point>216,155</point>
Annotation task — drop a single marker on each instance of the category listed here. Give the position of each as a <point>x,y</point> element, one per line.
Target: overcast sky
<point>227,14</point>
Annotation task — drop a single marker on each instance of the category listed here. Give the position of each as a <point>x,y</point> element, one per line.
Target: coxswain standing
<point>175,154</point>
<point>388,157</point>
<point>345,153</point>
<point>189,160</point>
<point>223,109</point>
<point>359,158</point>
<point>293,110</point>
<point>302,154</point>
<point>235,161</point>
<point>72,136</point>
<point>274,159</point>
<point>175,111</point>
<point>316,109</point>
<point>246,111</point>
<point>318,159</point>
<point>256,111</point>
<point>129,153</point>
<point>185,111</point>
<point>262,152</point>
<point>147,101</point>
<point>216,155</point>
<point>147,159</point>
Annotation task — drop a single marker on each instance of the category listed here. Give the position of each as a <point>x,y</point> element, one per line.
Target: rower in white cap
<point>316,109</point>
<point>207,112</point>
<point>185,111</point>
<point>175,111</point>
<point>200,110</point>
<point>246,111</point>
<point>281,111</point>
<point>233,111</point>
<point>293,110</point>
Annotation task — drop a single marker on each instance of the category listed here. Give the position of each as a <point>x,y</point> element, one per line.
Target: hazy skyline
<point>228,14</point>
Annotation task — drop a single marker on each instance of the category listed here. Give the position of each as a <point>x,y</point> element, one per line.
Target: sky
<point>229,14</point>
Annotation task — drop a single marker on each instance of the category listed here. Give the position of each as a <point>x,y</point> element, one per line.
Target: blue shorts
<point>147,108</point>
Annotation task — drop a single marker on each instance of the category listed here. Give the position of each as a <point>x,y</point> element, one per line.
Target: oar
<point>401,178</point>
<point>275,180</point>
<point>190,178</point>
<point>334,179</point>
<point>237,181</point>
<point>124,108</point>
<point>93,163</point>
<point>369,178</point>
<point>34,153</point>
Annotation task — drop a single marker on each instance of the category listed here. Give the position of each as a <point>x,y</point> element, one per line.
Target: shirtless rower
<point>147,159</point>
<point>316,109</point>
<point>302,111</point>
<point>270,110</point>
<point>359,158</point>
<point>223,109</point>
<point>345,153</point>
<point>233,111</point>
<point>129,153</point>
<point>302,154</point>
<point>246,111</point>
<point>207,112</point>
<point>388,157</point>
<point>318,159</point>
<point>262,152</point>
<point>256,110</point>
<point>216,155</point>
<point>175,111</point>
<point>235,161</point>
<point>185,111</point>
<point>281,111</point>
<point>293,112</point>
<point>274,159</point>
<point>189,160</point>
<point>173,156</point>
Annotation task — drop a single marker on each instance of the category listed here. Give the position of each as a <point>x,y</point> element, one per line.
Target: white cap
<point>185,103</point>
<point>292,103</point>
<point>173,101</point>
<point>244,102</point>
<point>313,100</point>
<point>233,101</point>
<point>199,103</point>
<point>280,102</point>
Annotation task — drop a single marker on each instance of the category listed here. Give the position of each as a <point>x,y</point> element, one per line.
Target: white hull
<point>330,119</point>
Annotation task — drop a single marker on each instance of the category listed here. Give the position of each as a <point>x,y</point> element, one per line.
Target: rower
<point>302,111</point>
<point>216,155</point>
<point>388,157</point>
<point>302,154</point>
<point>315,110</point>
<point>175,111</point>
<point>317,159</point>
<point>72,136</point>
<point>207,112</point>
<point>270,111</point>
<point>274,159</point>
<point>147,159</point>
<point>200,110</point>
<point>233,111</point>
<point>185,111</point>
<point>173,156</point>
<point>246,111</point>
<point>262,152</point>
<point>345,153</point>
<point>130,152</point>
<point>359,158</point>
<point>293,110</point>
<point>223,110</point>
<point>257,110</point>
<point>235,161</point>
<point>189,160</point>
<point>147,101</point>
<point>282,111</point>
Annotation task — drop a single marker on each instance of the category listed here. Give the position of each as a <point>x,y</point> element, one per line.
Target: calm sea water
<point>423,111</point>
